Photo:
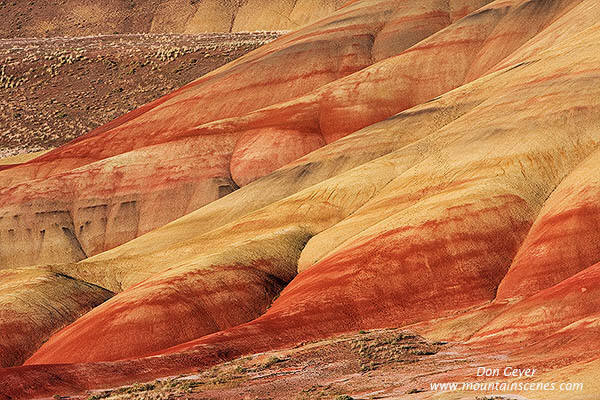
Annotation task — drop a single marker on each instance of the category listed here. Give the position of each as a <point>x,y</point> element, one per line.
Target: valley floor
<point>53,90</point>
<point>374,364</point>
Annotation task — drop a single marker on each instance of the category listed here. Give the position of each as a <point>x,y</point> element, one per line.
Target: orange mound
<point>564,238</point>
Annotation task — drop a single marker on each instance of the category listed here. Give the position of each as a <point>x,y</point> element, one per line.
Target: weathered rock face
<point>261,151</point>
<point>242,280</point>
<point>238,16</point>
<point>447,172</point>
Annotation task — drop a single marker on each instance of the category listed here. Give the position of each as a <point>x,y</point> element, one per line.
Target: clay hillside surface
<point>430,166</point>
<point>54,90</point>
<point>45,18</point>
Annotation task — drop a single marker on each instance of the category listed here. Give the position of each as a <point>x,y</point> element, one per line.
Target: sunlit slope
<point>564,238</point>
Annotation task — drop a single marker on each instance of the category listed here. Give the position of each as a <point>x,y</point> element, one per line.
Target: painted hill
<point>200,142</point>
<point>428,165</point>
<point>83,17</point>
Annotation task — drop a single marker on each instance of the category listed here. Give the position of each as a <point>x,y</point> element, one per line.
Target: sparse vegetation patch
<point>53,90</point>
<point>377,350</point>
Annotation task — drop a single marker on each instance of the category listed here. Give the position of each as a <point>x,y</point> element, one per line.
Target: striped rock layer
<point>451,182</point>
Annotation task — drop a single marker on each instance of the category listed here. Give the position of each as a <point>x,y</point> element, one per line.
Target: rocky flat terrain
<point>382,364</point>
<point>52,90</point>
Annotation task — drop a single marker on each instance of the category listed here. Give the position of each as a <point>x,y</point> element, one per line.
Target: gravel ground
<point>53,90</point>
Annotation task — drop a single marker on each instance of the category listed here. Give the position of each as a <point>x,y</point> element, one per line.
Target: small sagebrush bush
<point>272,361</point>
